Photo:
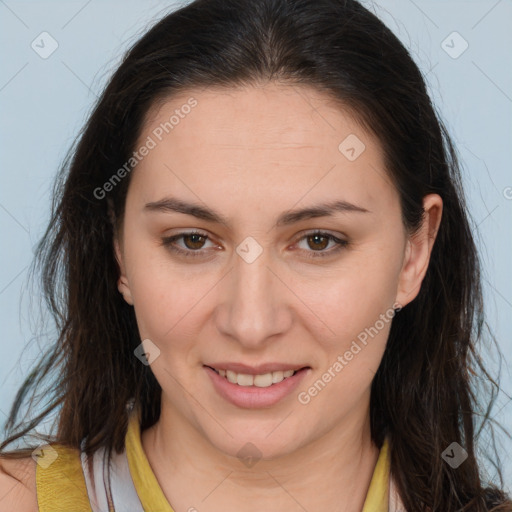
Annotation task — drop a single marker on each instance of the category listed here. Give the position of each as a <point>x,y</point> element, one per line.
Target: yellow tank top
<point>61,485</point>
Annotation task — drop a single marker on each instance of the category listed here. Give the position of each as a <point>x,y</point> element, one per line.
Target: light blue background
<point>44,103</point>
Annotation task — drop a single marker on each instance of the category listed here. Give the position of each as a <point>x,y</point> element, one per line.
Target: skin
<point>252,154</point>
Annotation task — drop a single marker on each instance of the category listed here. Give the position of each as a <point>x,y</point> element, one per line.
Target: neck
<point>332,472</point>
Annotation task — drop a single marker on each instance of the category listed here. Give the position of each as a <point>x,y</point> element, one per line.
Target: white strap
<point>395,503</point>
<point>124,495</point>
<point>114,491</point>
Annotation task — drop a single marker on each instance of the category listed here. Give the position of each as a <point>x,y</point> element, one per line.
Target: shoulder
<point>18,485</point>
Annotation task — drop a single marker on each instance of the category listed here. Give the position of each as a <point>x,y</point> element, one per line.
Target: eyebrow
<point>171,204</point>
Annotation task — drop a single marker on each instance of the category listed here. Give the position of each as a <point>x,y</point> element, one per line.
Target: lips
<point>255,390</point>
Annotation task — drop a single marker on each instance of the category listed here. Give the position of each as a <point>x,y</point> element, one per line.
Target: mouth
<point>254,389</point>
<point>262,380</point>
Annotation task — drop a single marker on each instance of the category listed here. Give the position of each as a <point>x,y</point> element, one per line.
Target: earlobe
<point>419,249</point>
<point>122,284</point>
<point>124,289</point>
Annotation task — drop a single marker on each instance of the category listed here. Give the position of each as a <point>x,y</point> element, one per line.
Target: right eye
<point>194,241</point>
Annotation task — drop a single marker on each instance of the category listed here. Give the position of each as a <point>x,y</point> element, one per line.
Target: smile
<point>255,390</point>
<point>264,380</point>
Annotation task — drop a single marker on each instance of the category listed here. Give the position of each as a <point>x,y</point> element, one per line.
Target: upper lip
<point>259,369</point>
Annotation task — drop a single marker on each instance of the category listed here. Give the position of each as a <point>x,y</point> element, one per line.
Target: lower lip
<point>251,397</point>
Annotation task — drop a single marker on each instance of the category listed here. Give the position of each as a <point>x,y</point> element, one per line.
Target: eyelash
<point>169,243</point>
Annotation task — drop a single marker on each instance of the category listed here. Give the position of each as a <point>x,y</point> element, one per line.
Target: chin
<point>258,446</point>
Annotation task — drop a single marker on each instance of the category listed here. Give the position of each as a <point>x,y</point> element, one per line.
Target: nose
<point>254,309</point>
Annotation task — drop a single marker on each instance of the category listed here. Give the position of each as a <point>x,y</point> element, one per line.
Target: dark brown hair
<point>425,394</point>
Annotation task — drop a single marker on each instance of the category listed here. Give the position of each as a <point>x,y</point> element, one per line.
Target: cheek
<point>165,303</point>
<point>352,298</point>
<point>358,313</point>
<point>162,294</point>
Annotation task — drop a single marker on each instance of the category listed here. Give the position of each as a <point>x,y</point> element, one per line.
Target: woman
<point>269,294</point>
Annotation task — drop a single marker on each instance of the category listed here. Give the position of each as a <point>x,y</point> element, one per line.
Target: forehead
<point>274,142</point>
<point>272,116</point>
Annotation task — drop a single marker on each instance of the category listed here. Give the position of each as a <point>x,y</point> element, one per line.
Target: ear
<point>122,284</point>
<point>418,250</point>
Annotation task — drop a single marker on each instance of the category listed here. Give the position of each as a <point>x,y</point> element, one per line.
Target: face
<point>245,282</point>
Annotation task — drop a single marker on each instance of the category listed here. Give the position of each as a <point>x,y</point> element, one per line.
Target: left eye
<point>194,242</point>
<point>320,239</point>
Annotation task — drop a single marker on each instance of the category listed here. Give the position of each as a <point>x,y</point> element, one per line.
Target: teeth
<point>231,376</point>
<point>261,381</point>
<point>277,377</point>
<point>244,380</point>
